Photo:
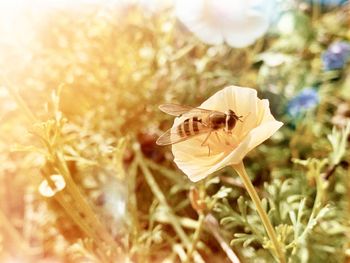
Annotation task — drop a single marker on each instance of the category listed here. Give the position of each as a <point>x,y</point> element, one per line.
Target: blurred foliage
<point>83,105</point>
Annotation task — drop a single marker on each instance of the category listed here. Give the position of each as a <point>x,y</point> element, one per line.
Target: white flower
<point>237,22</point>
<point>257,125</point>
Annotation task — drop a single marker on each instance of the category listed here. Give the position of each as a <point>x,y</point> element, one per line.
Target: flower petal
<point>190,14</point>
<point>207,33</point>
<point>254,26</point>
<point>194,166</point>
<point>232,97</point>
<point>253,139</point>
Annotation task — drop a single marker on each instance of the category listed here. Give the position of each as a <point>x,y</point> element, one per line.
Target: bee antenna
<point>239,118</point>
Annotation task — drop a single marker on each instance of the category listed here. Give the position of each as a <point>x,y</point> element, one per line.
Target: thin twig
<point>196,236</point>
<point>213,226</point>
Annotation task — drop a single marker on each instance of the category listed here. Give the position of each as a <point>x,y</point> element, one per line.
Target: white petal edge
<point>255,26</point>
<point>195,168</point>
<point>190,14</point>
<point>207,33</point>
<point>231,97</point>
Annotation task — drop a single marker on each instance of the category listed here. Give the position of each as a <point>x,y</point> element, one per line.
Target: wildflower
<point>47,190</point>
<point>306,100</point>
<point>336,55</point>
<point>238,23</point>
<point>256,126</point>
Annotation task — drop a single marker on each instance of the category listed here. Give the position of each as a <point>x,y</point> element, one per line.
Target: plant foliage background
<point>79,98</point>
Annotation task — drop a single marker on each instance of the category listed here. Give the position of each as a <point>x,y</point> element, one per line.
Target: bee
<point>197,121</point>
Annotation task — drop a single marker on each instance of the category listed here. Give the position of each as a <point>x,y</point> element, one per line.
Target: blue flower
<point>307,99</point>
<point>336,55</point>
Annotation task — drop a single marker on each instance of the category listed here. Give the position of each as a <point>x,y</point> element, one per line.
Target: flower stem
<point>196,237</point>
<point>240,169</point>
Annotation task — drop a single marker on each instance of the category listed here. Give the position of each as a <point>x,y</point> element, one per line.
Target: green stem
<point>318,198</point>
<point>132,204</point>
<point>315,210</point>
<point>240,169</point>
<point>196,236</point>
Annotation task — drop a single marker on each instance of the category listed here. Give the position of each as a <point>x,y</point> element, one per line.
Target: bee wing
<point>171,136</point>
<point>178,110</point>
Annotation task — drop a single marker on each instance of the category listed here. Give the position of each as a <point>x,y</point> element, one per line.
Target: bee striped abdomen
<point>189,127</point>
<point>186,127</point>
<point>180,131</point>
<point>195,125</point>
<point>196,121</point>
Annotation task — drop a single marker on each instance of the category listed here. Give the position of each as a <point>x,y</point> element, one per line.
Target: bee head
<point>231,119</point>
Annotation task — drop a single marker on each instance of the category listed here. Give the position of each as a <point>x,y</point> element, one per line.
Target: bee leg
<point>229,132</point>
<point>206,138</point>
<point>217,136</point>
